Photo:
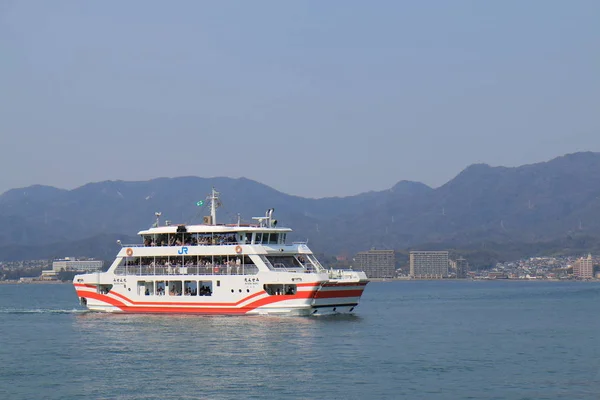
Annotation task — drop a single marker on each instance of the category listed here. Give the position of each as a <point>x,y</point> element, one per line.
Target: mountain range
<point>549,207</point>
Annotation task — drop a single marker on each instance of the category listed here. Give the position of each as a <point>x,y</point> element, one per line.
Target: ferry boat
<point>215,268</point>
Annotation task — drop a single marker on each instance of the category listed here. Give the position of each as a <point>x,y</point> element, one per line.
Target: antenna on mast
<point>157,214</point>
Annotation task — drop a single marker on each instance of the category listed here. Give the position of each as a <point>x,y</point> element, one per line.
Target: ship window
<point>104,289</point>
<point>280,289</point>
<point>258,238</point>
<point>248,238</point>
<point>288,262</point>
<point>190,288</point>
<point>315,262</point>
<point>145,288</point>
<point>273,238</point>
<point>282,237</point>
<point>205,288</point>
<point>174,288</point>
<point>266,261</point>
<point>218,283</point>
<point>160,288</point>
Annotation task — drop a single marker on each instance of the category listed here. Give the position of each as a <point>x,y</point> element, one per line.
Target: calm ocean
<point>413,340</point>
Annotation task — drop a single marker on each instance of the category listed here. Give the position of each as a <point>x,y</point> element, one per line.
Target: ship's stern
<point>92,291</point>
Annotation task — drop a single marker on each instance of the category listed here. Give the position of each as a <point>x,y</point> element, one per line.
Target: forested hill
<point>542,203</point>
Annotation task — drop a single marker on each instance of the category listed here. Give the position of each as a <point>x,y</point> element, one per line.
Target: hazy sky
<point>314,98</point>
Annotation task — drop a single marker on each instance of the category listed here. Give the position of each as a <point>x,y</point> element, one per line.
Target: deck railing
<point>141,270</point>
<point>241,243</point>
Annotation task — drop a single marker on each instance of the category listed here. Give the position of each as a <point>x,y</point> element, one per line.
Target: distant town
<point>381,264</point>
<point>47,271</point>
<point>378,264</point>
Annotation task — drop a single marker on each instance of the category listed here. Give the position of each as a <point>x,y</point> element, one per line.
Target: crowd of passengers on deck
<point>188,239</point>
<point>189,262</point>
<point>223,265</point>
<point>189,265</point>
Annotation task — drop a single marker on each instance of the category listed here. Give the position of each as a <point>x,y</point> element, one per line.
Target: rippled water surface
<point>414,340</point>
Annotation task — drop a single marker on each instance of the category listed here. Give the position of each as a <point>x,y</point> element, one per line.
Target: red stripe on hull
<point>157,303</point>
<point>309,284</point>
<point>339,293</point>
<point>195,308</point>
<point>330,284</point>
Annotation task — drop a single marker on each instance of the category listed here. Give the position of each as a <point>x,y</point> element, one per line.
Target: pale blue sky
<point>314,98</point>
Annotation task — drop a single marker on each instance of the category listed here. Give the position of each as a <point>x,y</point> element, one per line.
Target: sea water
<point>412,340</point>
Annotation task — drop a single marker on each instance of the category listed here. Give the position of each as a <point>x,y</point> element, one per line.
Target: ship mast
<point>214,204</point>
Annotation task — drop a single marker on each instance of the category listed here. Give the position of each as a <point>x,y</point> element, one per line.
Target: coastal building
<point>584,268</point>
<point>462,268</point>
<point>72,264</point>
<point>48,275</point>
<point>377,263</point>
<point>428,264</point>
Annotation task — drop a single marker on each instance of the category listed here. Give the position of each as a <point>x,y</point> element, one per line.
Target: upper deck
<point>210,229</point>
<point>211,233</point>
<point>203,235</point>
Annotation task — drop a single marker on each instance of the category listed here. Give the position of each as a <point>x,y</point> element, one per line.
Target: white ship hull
<point>234,295</point>
<point>316,294</point>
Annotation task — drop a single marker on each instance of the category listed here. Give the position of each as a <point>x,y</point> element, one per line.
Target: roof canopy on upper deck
<point>210,229</point>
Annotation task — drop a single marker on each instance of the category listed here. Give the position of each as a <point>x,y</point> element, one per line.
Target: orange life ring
<point>129,252</point>
<point>238,249</point>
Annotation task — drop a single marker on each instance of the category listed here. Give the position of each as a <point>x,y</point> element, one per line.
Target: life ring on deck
<point>238,249</point>
<point>129,252</point>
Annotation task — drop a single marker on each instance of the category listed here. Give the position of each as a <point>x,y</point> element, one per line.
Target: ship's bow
<point>341,293</point>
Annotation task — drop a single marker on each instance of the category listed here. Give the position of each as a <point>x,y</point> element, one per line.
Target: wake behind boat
<point>220,269</point>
